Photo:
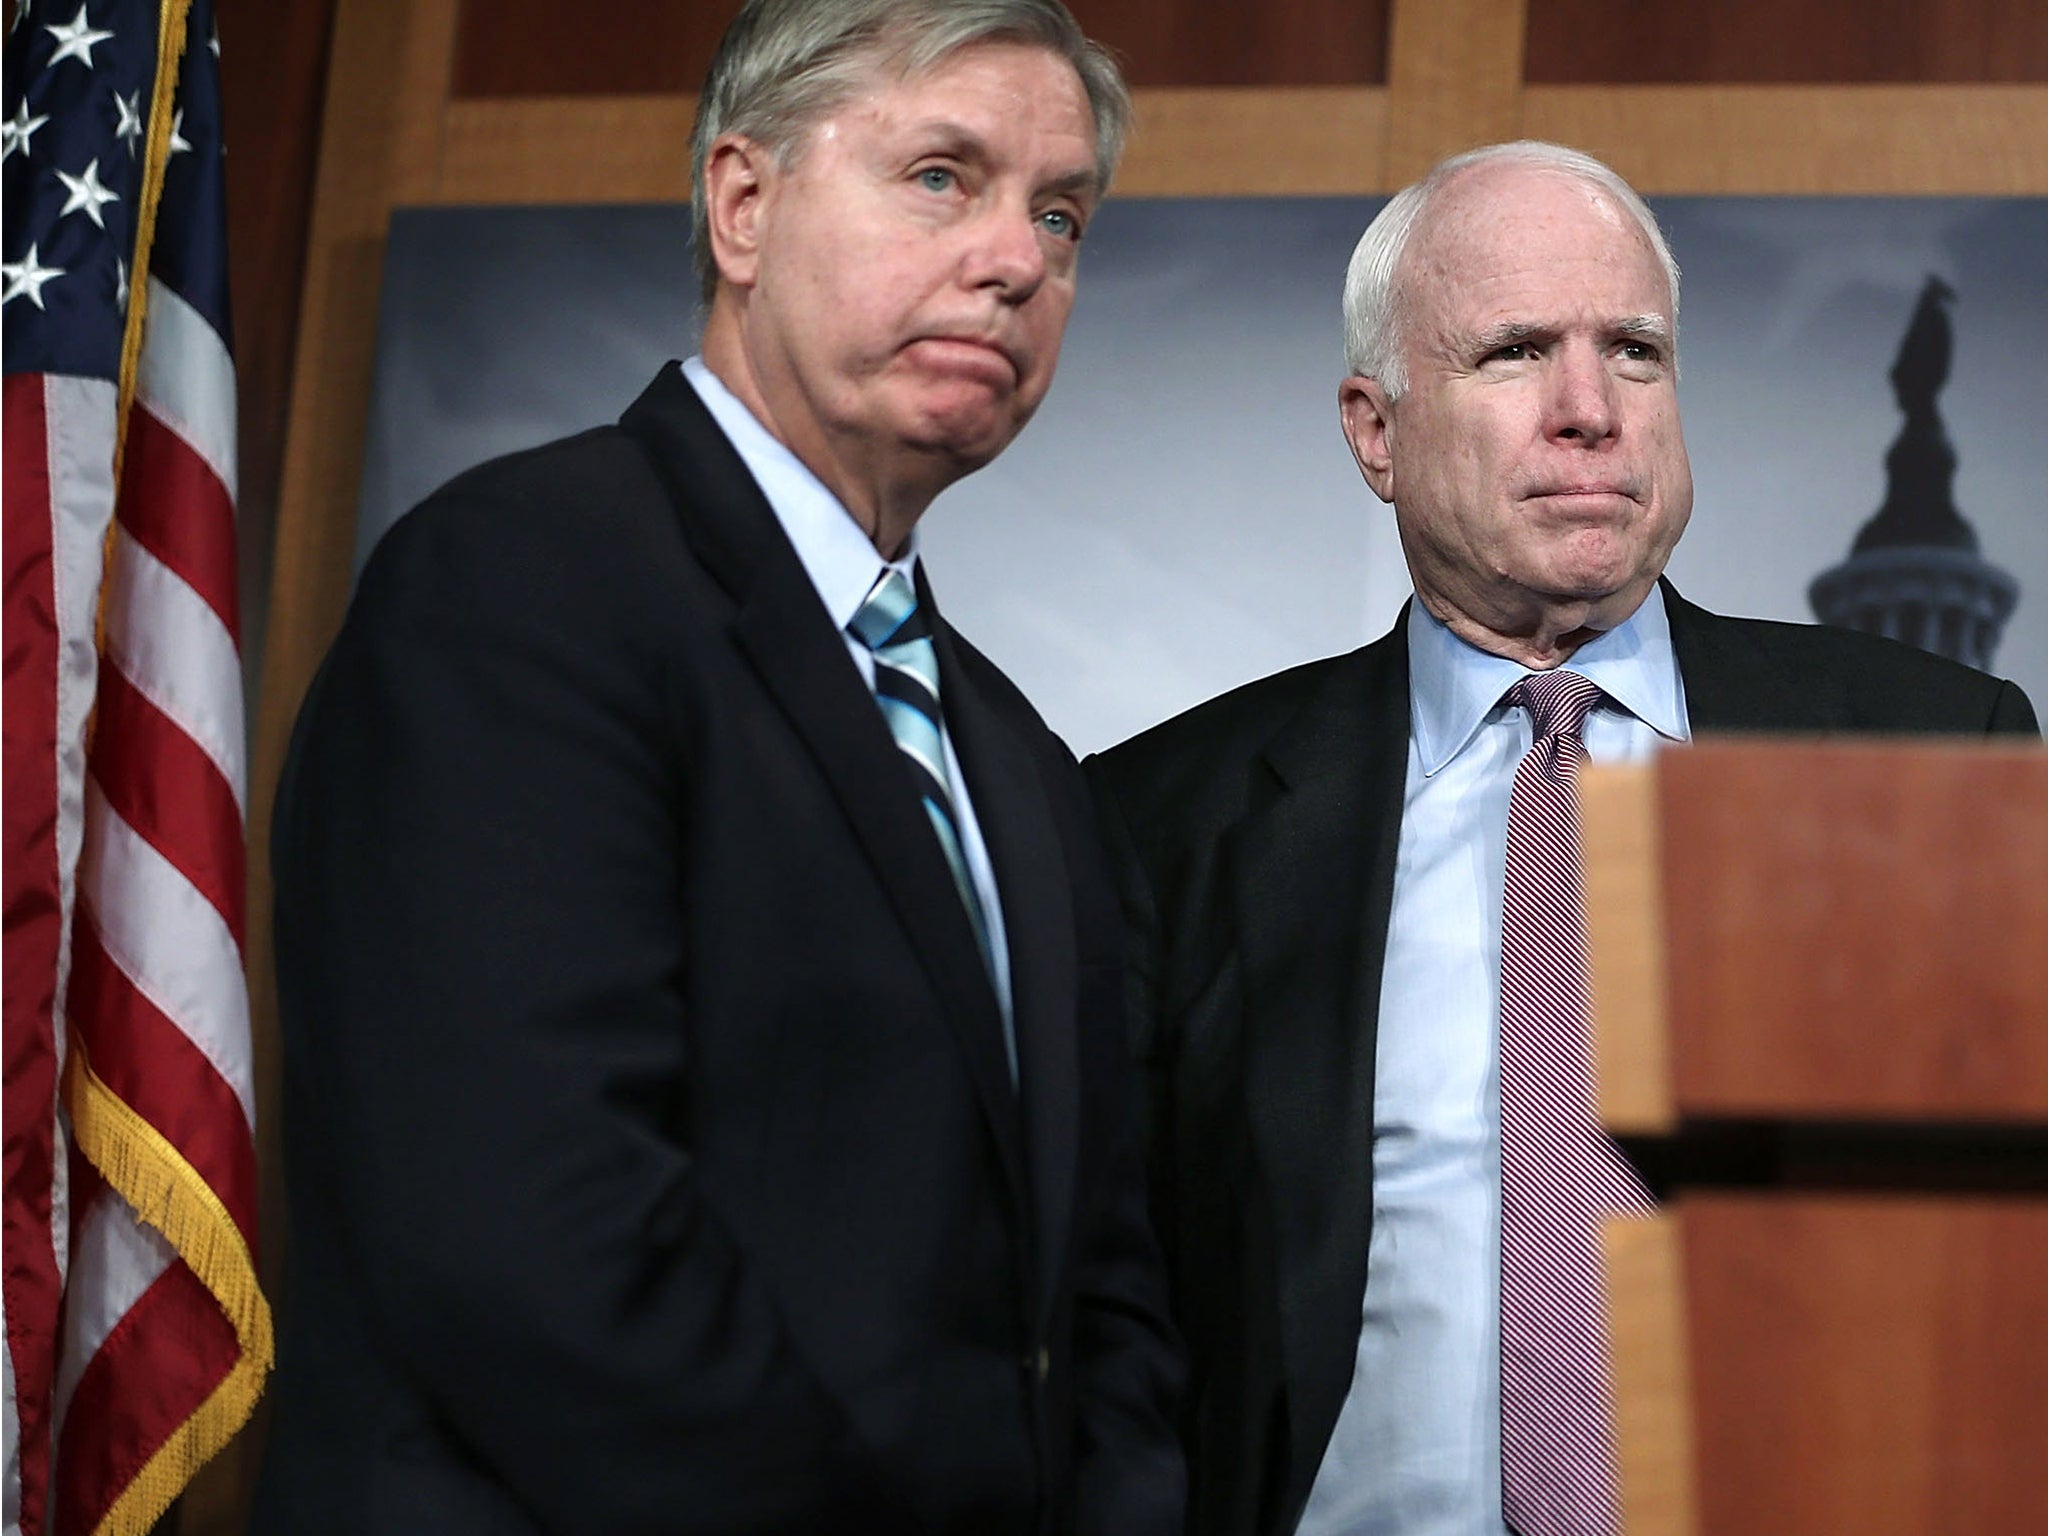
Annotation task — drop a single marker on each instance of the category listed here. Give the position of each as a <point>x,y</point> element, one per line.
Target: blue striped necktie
<point>892,625</point>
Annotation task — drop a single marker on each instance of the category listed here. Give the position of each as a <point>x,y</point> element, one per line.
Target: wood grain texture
<point>566,149</point>
<point>1625,947</point>
<point>1334,142</point>
<point>1187,143</point>
<point>1989,141</point>
<point>1855,929</point>
<point>1454,81</point>
<point>270,118</point>
<point>1257,143</point>
<point>626,47</point>
<point>1242,42</point>
<point>656,47</point>
<point>1867,1364</point>
<point>1626,42</point>
<point>1653,1419</point>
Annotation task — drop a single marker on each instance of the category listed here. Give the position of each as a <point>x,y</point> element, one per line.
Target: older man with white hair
<point>1357,932</point>
<point>707,1098</point>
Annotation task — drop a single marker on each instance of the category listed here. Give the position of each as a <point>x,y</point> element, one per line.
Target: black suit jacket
<point>655,1165</point>
<point>1256,838</point>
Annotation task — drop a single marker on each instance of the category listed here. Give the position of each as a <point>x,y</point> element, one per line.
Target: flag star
<point>20,15</point>
<point>76,39</point>
<point>88,194</point>
<point>178,141</point>
<point>16,131</point>
<point>121,283</point>
<point>25,277</point>
<point>129,128</point>
<point>213,42</point>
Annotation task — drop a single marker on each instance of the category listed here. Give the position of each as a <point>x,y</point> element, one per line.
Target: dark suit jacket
<point>1255,838</point>
<point>654,1161</point>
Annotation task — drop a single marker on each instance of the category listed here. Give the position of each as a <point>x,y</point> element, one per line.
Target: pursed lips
<point>971,349</point>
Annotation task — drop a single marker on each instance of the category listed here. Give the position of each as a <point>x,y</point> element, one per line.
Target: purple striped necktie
<point>1560,1173</point>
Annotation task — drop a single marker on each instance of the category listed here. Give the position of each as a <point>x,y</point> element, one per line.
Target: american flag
<point>137,1337</point>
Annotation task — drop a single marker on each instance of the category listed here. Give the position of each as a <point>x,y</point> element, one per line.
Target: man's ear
<point>1368,417</point>
<point>737,174</point>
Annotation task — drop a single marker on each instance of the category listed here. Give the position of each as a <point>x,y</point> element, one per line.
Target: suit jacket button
<point>1039,1365</point>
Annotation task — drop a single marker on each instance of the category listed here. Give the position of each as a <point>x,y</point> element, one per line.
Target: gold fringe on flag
<point>134,1158</point>
<point>168,1193</point>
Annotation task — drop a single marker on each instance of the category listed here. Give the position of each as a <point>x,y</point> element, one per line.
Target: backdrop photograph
<point>1183,515</point>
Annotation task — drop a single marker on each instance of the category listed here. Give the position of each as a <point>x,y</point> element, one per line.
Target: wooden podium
<point>1820,982</point>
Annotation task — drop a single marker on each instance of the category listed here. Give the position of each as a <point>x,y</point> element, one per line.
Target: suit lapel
<point>1731,684</point>
<point>1313,872</point>
<point>801,659</point>
<point>1035,887</point>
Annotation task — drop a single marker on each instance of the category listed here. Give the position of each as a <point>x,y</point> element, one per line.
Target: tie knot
<point>1558,702</point>
<point>889,614</point>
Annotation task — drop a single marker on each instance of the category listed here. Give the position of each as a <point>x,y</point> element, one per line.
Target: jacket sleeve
<point>482,966</point>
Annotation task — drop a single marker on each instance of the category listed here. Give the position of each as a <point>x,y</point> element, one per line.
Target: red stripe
<point>167,789</point>
<point>175,507</point>
<point>159,1073</point>
<point>33,924</point>
<point>163,1359</point>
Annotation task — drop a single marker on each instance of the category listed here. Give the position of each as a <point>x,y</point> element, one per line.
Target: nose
<point>1007,254</point>
<point>1582,405</point>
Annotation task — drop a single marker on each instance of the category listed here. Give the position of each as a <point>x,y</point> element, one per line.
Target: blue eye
<point>1061,223</point>
<point>936,178</point>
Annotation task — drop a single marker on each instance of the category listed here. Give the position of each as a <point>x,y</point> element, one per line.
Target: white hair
<point>785,64</point>
<point>1373,300</point>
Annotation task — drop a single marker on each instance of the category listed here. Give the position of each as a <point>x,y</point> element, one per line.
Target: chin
<point>970,437</point>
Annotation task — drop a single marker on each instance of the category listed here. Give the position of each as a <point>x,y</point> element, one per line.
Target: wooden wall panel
<point>1629,42</point>
<point>1455,82</point>
<point>271,121</point>
<point>1818,140</point>
<point>1242,42</point>
<point>624,48</point>
<point>644,47</point>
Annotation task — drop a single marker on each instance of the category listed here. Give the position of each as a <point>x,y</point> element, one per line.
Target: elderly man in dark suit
<point>708,1100</point>
<point>1357,971</point>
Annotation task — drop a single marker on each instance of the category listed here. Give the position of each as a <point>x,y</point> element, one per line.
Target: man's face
<point>1536,464</point>
<point>914,263</point>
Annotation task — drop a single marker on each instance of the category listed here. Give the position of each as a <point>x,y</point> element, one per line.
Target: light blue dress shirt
<point>843,566</point>
<point>1416,1451</point>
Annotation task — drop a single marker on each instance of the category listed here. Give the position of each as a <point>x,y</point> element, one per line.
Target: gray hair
<point>784,64</point>
<point>1373,302</point>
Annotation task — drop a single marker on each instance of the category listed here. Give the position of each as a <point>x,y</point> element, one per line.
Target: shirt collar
<point>1454,686</point>
<point>841,561</point>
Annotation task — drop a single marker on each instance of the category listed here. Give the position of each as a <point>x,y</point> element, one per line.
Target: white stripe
<point>168,940</point>
<point>172,646</point>
<point>186,380</point>
<point>78,419</point>
<point>118,1258</point>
